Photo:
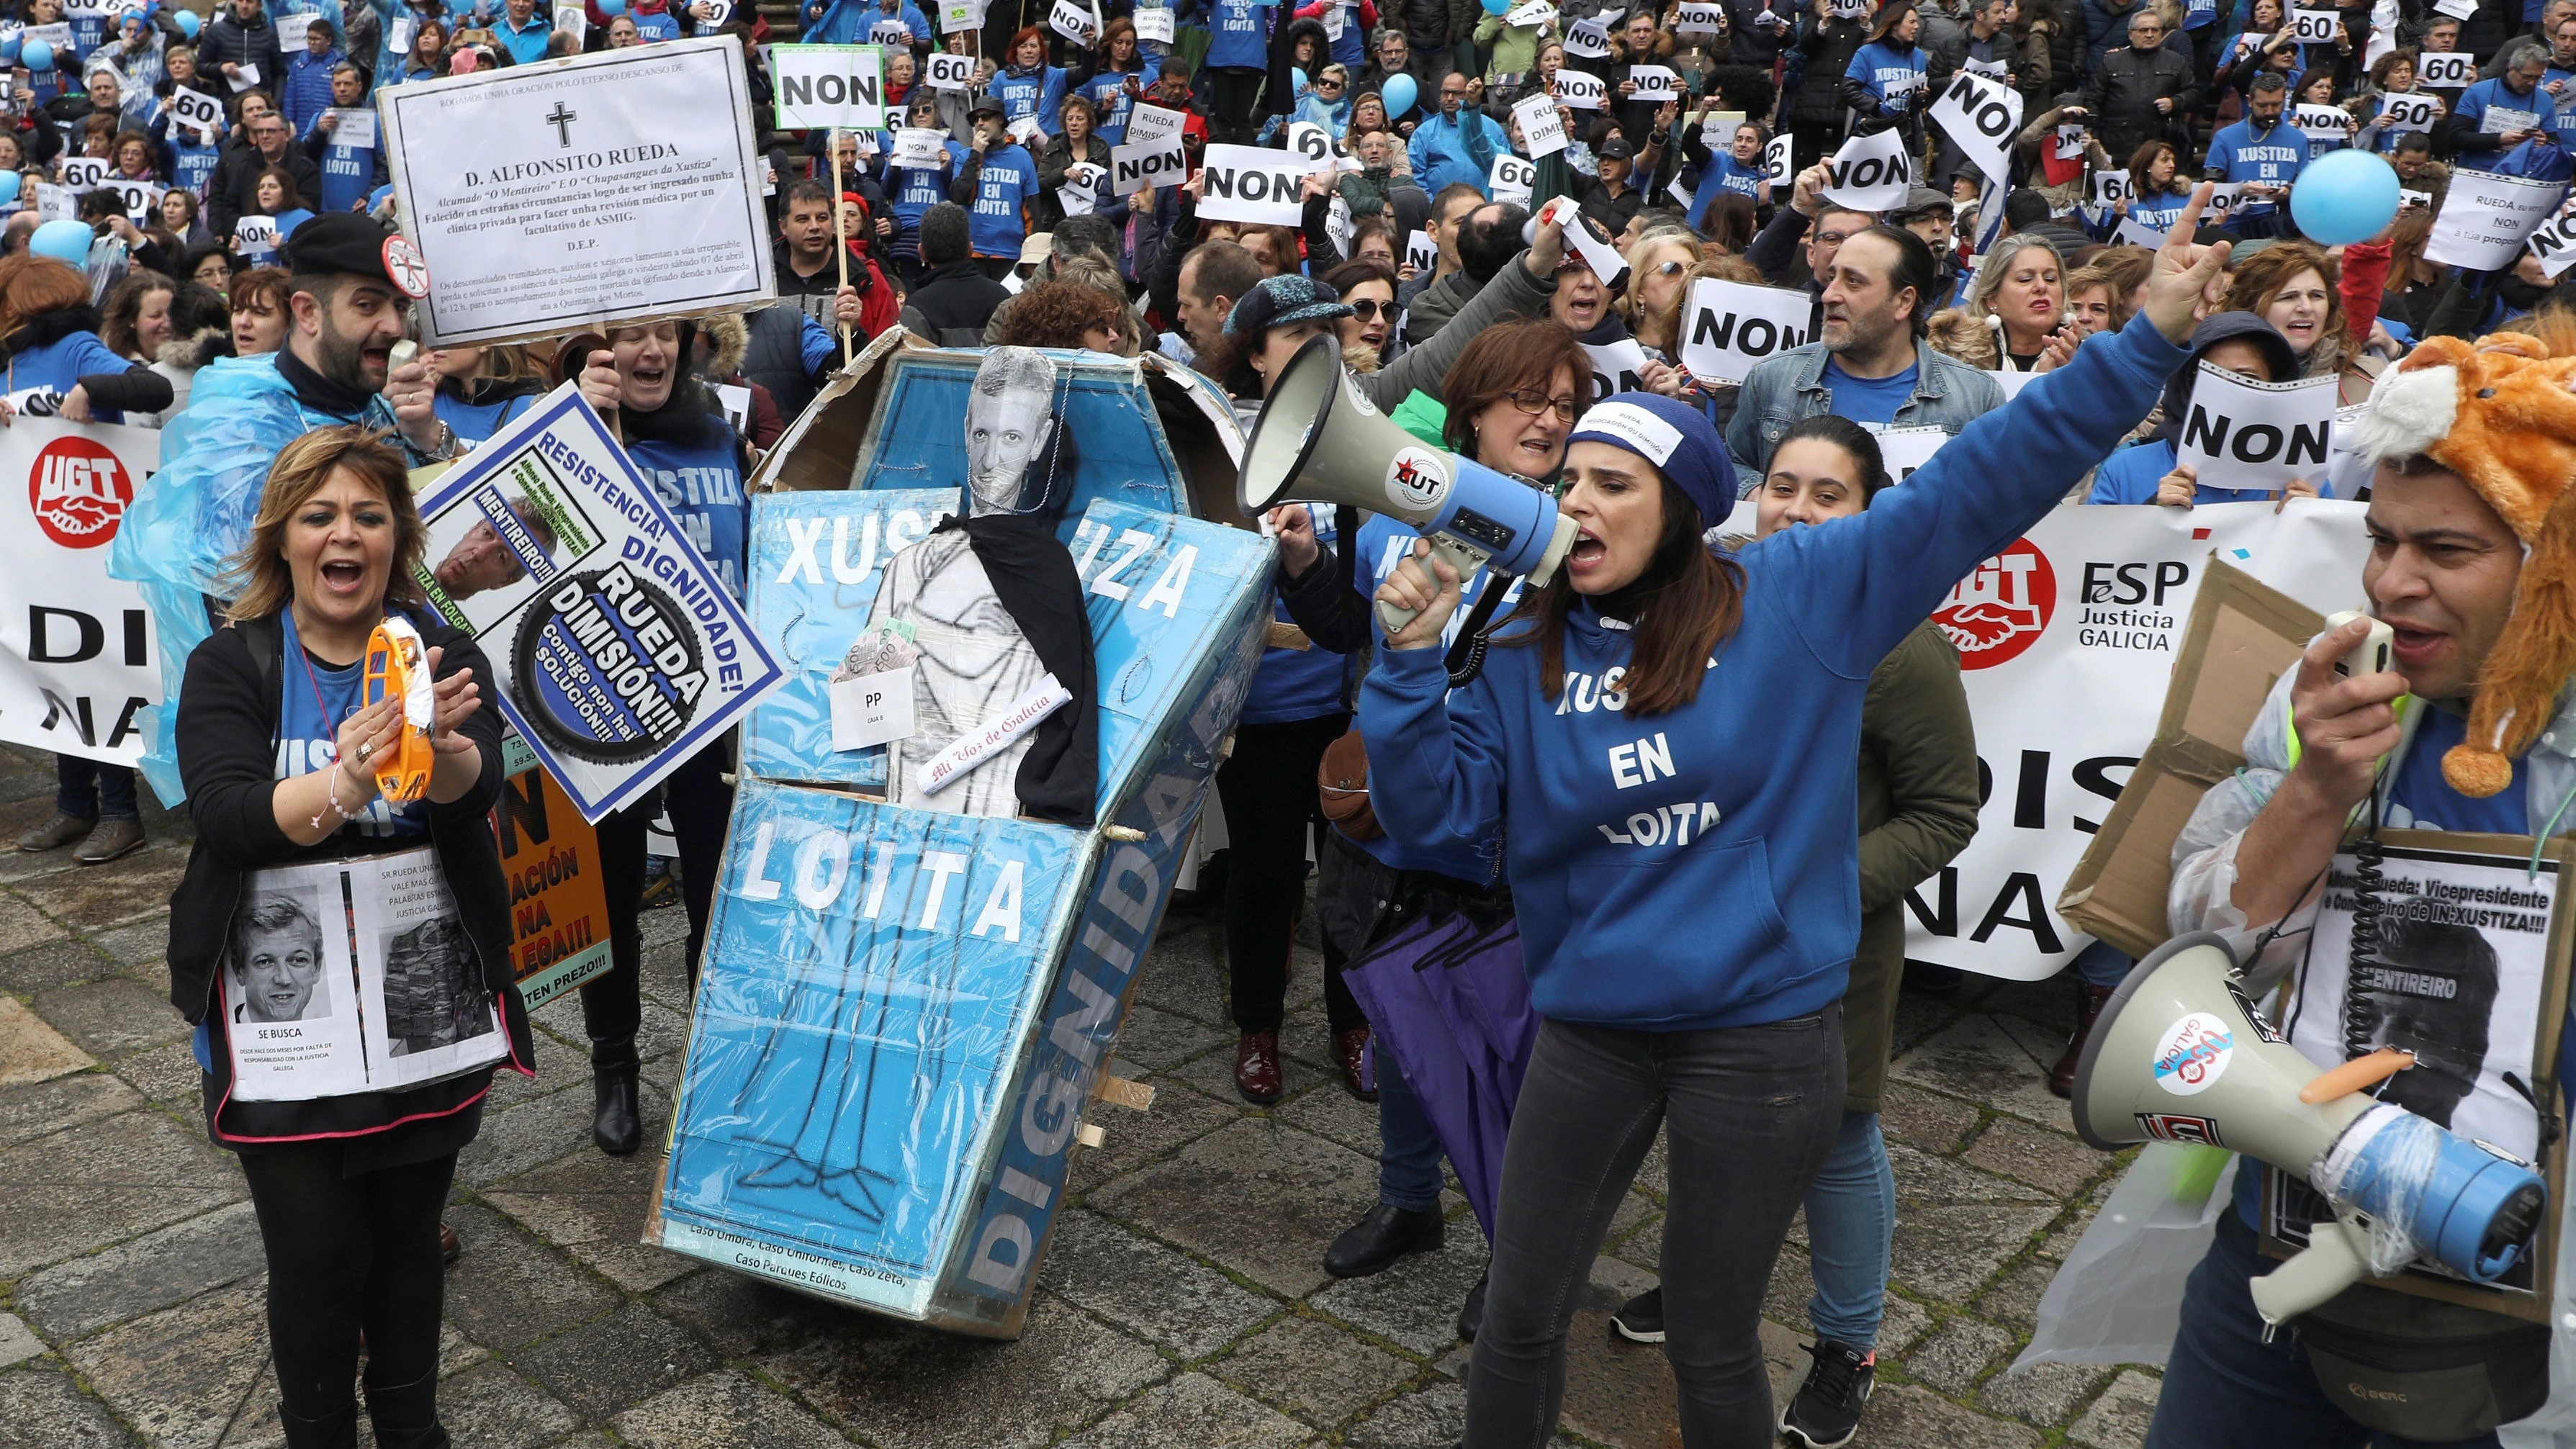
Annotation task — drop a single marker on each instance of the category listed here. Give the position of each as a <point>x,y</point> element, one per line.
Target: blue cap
<point>1674,436</point>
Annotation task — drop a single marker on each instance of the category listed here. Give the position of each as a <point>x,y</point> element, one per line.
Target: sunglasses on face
<point>1328,85</point>
<point>1367,311</point>
<point>1670,268</point>
<point>1534,402</point>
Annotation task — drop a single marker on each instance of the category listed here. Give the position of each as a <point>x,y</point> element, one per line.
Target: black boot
<point>1372,1244</point>
<point>407,1417</point>
<point>615,1124</point>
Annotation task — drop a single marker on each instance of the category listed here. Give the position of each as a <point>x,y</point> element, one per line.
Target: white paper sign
<point>1313,145</point>
<point>243,78</point>
<point>945,72</point>
<point>1870,173</point>
<point>919,148</point>
<point>572,20</point>
<point>1696,18</point>
<point>1153,24</point>
<point>1420,252</point>
<point>2314,27</point>
<point>2132,232</point>
<point>2555,244</point>
<point>1587,40</point>
<point>1902,450</point>
<point>2456,9</point>
<point>79,668</point>
<point>596,243</point>
<point>1580,90</point>
<point>1727,327</point>
<point>959,15</point>
<point>1779,158</point>
<point>1983,117</point>
<point>890,32</point>
<point>735,403</point>
<point>871,709</point>
<point>1254,184</point>
<point>1511,180</point>
<point>2223,196</point>
<point>2109,188</point>
<point>1599,255</point>
<point>1072,20</point>
<point>139,197</point>
<point>290,30</point>
<point>2409,112</point>
<point>2323,123</point>
<point>828,87</point>
<point>2505,120</point>
<point>2068,143</point>
<point>1153,123</point>
<point>1654,83</point>
<point>353,126</point>
<point>2406,198</point>
<point>84,173</point>
<point>2446,70</point>
<point>2485,219</point>
<point>1541,132</point>
<point>1617,368</point>
<point>2239,433</point>
<point>1531,14</point>
<point>196,109</point>
<point>1080,194</point>
<point>257,236</point>
<point>1143,163</point>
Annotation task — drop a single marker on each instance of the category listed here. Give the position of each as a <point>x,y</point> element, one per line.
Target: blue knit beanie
<point>1674,436</point>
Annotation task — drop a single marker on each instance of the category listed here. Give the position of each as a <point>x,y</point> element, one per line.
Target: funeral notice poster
<point>580,193</point>
<point>617,650</point>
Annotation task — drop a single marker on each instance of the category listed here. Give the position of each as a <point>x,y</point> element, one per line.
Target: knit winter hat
<point>1674,436</point>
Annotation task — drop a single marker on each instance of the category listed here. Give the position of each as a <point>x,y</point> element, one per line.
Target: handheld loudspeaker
<point>1320,440</point>
<point>2180,1054</point>
<point>398,667</point>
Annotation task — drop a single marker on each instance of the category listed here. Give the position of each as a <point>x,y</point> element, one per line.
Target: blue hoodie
<point>1656,862</point>
<point>1239,35</point>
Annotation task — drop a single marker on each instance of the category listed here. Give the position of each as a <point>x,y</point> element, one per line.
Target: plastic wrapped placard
<point>2118,1297</point>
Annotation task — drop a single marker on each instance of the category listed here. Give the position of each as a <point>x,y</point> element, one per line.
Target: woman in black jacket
<point>1816,113</point>
<point>274,744</point>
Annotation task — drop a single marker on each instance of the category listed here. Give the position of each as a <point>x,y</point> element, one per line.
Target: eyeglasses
<point>1367,310</point>
<point>1534,402</point>
<point>1830,239</point>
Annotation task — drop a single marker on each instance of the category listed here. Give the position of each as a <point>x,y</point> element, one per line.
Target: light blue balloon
<point>1497,7</point>
<point>612,8</point>
<point>1399,93</point>
<point>37,56</point>
<point>2344,197</point>
<point>64,241</point>
<point>189,24</point>
<point>9,184</point>
<point>9,47</point>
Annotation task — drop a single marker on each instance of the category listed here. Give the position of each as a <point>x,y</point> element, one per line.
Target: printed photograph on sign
<point>503,542</point>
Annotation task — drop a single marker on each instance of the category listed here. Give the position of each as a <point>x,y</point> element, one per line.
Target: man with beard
<point>350,299</point>
<point>1871,363</point>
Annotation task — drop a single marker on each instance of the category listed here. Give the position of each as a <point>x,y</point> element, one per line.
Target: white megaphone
<point>2181,1054</point>
<point>1320,440</point>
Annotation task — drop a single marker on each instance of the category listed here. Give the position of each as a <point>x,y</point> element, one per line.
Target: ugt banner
<point>617,650</point>
<point>2066,641</point>
<point>78,663</point>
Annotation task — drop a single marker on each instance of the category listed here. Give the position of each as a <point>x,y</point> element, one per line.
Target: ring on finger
<point>365,750</point>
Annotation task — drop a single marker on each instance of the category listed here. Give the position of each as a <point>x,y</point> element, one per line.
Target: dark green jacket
<point>1918,810</point>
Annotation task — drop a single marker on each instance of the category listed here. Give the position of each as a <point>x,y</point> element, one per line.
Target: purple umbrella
<point>1448,997</point>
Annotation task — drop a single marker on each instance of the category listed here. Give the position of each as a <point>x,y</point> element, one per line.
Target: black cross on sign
<point>562,121</point>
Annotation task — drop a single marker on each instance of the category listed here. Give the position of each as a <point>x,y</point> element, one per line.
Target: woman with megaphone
<point>1682,854</point>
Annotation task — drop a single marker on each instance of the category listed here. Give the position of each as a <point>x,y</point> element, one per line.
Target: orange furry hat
<point>2502,415</point>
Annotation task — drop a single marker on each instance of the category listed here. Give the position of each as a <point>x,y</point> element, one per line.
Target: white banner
<point>2239,433</point>
<point>2066,641</point>
<point>828,87</point>
<point>1983,116</point>
<point>1654,83</point>
<point>945,72</point>
<point>2446,70</point>
<point>1581,90</point>
<point>1729,326</point>
<point>1510,180</point>
<point>78,663</point>
<point>617,649</point>
<point>1541,132</point>
<point>1142,163</point>
<point>2314,27</point>
<point>1255,184</point>
<point>630,217</point>
<point>2486,218</point>
<point>1871,173</point>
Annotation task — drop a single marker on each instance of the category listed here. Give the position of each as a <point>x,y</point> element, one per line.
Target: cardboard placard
<point>550,856</point>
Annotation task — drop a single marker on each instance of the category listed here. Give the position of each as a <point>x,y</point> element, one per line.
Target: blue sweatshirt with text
<point>1700,868</point>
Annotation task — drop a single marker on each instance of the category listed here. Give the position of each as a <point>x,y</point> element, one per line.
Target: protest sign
<point>2409,112</point>
<point>1531,14</point>
<point>2314,27</point>
<point>1510,180</point>
<point>1420,252</point>
<point>2446,70</point>
<point>290,30</point>
<point>137,197</point>
<point>84,173</point>
<point>2109,188</point>
<point>353,976</point>
<point>1902,450</point>
<point>2486,218</point>
<point>78,663</point>
<point>1729,326</point>
<point>573,20</point>
<point>1253,184</point>
<point>2456,9</point>
<point>1541,132</point>
<point>353,126</point>
<point>1080,193</point>
<point>1598,254</point>
<point>1153,24</point>
<point>1695,18</point>
<point>617,649</point>
<point>919,148</point>
<point>635,218</point>
<point>1994,70</point>
<point>1317,148</point>
<point>550,856</point>
<point>1617,367</point>
<point>1848,9</point>
<point>1072,20</point>
<point>1983,117</point>
<point>1143,163</point>
<point>1870,173</point>
<point>828,87</point>
<point>1654,83</point>
<point>2240,433</point>
<point>1779,160</point>
<point>256,238</point>
<point>2066,639</point>
<point>243,78</point>
<point>958,15</point>
<point>2067,143</point>
<point>2506,120</point>
<point>2323,123</point>
<point>197,110</point>
<point>1587,39</point>
<point>2132,232</point>
<point>891,32</point>
<point>946,72</point>
<point>1581,90</point>
<point>2407,198</point>
<point>2555,244</point>
<point>1154,123</point>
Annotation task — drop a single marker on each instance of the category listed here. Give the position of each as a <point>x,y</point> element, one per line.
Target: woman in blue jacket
<point>912,190</point>
<point>1121,78</point>
<point>1660,843</point>
<point>1029,87</point>
<point>1885,81</point>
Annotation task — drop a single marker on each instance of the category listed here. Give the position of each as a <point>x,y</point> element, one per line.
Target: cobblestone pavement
<point>1181,1304</point>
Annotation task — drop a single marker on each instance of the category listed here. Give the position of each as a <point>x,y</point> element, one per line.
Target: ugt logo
<point>78,491</point>
<point>2001,608</point>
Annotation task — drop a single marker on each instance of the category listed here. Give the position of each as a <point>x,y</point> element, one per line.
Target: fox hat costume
<point>2502,415</point>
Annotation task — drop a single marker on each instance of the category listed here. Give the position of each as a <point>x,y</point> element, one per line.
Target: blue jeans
<point>2102,964</point>
<point>1851,1229</point>
<point>2225,1388</point>
<point>1408,1151</point>
<point>88,790</point>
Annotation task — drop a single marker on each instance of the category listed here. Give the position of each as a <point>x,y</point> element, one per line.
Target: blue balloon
<point>612,8</point>
<point>2344,197</point>
<point>64,241</point>
<point>1497,7</point>
<point>9,184</point>
<point>1399,93</point>
<point>189,24</point>
<point>9,48</point>
<point>37,56</point>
